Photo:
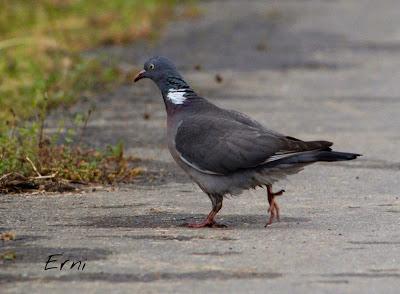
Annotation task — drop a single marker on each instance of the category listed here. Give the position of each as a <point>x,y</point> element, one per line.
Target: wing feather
<point>225,144</point>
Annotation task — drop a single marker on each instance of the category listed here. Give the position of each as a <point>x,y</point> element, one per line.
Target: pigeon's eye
<point>151,66</point>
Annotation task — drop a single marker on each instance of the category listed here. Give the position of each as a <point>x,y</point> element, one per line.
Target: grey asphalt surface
<point>310,69</point>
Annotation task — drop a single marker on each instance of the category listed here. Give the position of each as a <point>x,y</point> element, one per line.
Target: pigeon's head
<point>158,69</point>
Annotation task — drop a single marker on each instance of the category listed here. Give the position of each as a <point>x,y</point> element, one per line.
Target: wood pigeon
<point>225,151</point>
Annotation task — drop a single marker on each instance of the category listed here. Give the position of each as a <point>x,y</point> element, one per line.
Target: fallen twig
<point>43,177</point>
<point>5,176</point>
<point>33,166</point>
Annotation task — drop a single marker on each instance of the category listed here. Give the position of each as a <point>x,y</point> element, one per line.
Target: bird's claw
<point>218,225</point>
<point>279,193</point>
<point>206,224</point>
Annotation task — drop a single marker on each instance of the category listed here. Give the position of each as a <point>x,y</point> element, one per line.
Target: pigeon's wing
<point>221,144</point>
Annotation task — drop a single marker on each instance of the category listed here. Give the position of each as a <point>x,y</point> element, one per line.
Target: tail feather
<point>313,156</point>
<point>335,156</point>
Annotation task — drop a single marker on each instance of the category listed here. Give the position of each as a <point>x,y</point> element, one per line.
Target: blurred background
<point>323,69</point>
<point>43,67</point>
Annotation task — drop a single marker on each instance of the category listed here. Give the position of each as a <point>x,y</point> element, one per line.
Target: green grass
<point>41,68</point>
<point>39,42</point>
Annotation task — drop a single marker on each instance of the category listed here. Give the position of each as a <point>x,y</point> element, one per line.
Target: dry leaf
<point>7,236</point>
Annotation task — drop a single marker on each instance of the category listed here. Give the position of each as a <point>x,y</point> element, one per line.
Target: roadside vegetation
<point>41,68</point>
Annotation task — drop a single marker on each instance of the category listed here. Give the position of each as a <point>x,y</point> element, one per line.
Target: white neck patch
<point>176,96</point>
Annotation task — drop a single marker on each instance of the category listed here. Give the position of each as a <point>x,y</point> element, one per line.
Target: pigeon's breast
<point>172,128</point>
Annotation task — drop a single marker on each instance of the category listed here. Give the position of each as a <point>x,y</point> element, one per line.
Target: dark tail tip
<point>336,156</point>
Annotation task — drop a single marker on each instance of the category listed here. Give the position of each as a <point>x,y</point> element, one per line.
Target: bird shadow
<point>171,220</point>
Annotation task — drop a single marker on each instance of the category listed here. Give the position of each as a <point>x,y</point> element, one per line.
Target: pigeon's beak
<point>140,75</point>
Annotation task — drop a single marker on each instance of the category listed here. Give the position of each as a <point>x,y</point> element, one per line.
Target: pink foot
<point>273,206</point>
<point>206,224</point>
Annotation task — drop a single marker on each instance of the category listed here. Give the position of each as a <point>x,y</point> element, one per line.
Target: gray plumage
<point>225,151</point>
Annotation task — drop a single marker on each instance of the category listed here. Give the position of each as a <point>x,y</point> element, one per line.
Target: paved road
<point>311,69</point>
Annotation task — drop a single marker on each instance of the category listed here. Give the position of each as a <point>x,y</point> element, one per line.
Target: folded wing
<point>224,145</point>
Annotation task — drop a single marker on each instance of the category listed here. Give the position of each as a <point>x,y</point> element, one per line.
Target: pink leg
<point>273,206</point>
<point>209,221</point>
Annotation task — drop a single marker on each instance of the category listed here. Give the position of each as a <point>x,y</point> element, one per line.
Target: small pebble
<point>261,46</point>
